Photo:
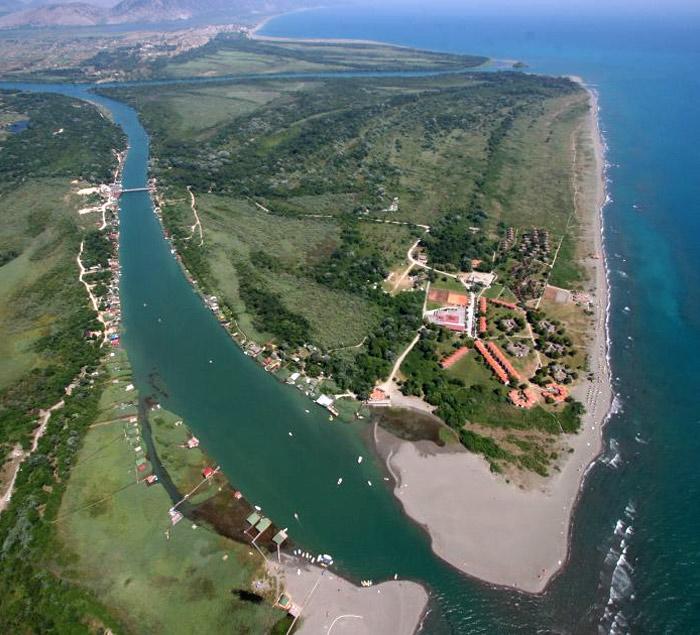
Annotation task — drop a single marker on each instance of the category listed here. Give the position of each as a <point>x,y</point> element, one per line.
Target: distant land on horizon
<point>99,12</point>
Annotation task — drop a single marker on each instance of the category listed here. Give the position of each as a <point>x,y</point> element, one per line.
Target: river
<point>243,418</point>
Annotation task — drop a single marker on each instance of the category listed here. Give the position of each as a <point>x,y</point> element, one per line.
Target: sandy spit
<point>328,601</point>
<point>500,533</point>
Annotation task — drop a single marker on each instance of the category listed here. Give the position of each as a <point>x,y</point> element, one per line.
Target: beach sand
<point>499,532</point>
<point>328,601</point>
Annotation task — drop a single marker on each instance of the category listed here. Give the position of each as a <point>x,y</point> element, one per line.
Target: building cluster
<point>508,240</point>
<point>453,318</point>
<point>534,243</point>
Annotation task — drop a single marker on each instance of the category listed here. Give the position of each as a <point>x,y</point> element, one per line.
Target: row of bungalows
<point>493,364</point>
<point>482,315</point>
<point>482,305</point>
<point>503,360</point>
<point>507,305</point>
<point>453,358</point>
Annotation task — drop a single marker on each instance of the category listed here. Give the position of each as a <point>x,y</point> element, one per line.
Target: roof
<point>263,524</point>
<point>324,400</point>
<point>253,518</point>
<point>284,600</point>
<point>377,395</point>
<point>452,359</point>
<point>279,537</point>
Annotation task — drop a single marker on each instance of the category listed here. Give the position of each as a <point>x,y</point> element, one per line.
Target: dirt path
<point>428,267</point>
<point>410,266</point>
<point>399,361</point>
<point>575,195</point>
<point>19,456</point>
<point>197,223</point>
<point>346,348</point>
<point>88,288</point>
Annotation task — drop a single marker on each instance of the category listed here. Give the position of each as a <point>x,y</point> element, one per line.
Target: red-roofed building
<point>208,472</point>
<point>508,305</point>
<point>503,360</point>
<point>493,364</point>
<point>452,359</point>
<point>523,398</point>
<point>482,324</point>
<point>555,391</point>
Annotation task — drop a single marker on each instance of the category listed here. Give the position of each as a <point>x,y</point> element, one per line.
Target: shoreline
<point>324,600</point>
<point>543,510</point>
<point>254,34</point>
<point>471,527</point>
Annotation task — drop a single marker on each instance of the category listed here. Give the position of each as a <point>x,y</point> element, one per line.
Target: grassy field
<point>44,309</point>
<point>234,55</point>
<point>38,222</point>
<point>282,250</point>
<point>108,522</point>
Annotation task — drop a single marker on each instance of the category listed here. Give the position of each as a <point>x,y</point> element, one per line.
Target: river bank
<point>326,601</point>
<point>473,525</point>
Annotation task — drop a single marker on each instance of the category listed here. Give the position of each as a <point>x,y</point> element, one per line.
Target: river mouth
<point>244,418</point>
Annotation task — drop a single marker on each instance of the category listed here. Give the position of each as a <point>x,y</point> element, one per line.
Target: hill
<point>71,14</point>
<point>134,11</point>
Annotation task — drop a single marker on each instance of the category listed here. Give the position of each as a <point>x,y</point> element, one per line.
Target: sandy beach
<point>499,532</point>
<point>255,35</point>
<point>328,602</point>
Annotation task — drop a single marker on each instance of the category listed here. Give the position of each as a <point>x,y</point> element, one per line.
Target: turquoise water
<point>243,416</point>
<point>645,70</point>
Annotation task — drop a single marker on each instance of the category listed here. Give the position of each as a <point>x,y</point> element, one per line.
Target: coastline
<point>254,34</point>
<point>471,526</point>
<point>543,509</point>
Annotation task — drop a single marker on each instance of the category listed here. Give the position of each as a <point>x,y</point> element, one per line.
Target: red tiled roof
<point>508,305</point>
<point>495,367</point>
<point>452,359</point>
<point>498,354</point>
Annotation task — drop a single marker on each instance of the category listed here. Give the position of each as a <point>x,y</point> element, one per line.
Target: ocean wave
<point>612,457</point>
<point>617,562</point>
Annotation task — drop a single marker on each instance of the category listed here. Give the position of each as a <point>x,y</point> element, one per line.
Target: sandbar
<point>327,601</point>
<point>516,536</point>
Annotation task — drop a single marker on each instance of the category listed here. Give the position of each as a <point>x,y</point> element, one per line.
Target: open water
<point>636,548</point>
